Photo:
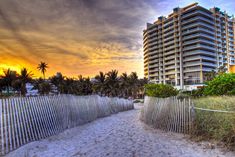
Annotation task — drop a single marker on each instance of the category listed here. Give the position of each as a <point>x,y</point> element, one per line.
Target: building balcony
<point>192,58</point>
<point>189,64</point>
<point>170,22</point>
<point>170,62</point>
<point>198,35</point>
<point>196,24</point>
<point>169,67</point>
<point>152,40</point>
<point>199,46</point>
<point>209,64</point>
<point>172,52</point>
<point>167,29</point>
<point>198,69</point>
<point>170,57</point>
<point>189,42</point>
<point>152,53</point>
<point>168,38</point>
<point>153,75</point>
<point>153,61</point>
<point>170,72</point>
<point>155,43</point>
<point>153,66</point>
<point>208,58</point>
<point>149,31</point>
<point>195,13</point>
<point>152,48</point>
<point>195,30</point>
<point>170,42</point>
<point>169,48</point>
<point>197,18</point>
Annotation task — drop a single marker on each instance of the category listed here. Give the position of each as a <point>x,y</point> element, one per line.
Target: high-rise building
<point>192,41</point>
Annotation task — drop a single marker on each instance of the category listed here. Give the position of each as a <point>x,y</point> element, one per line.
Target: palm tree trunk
<point>23,89</point>
<point>8,89</point>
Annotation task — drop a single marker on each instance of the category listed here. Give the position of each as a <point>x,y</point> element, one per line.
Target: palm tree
<point>8,77</point>
<point>212,74</point>
<point>112,83</point>
<point>43,68</point>
<point>70,86</point>
<point>1,85</point>
<point>134,84</point>
<point>99,84</point>
<point>24,77</point>
<point>44,88</point>
<point>84,86</point>
<point>142,82</point>
<point>58,81</point>
<point>124,84</point>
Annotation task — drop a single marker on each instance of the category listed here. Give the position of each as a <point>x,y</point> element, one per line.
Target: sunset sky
<point>81,36</point>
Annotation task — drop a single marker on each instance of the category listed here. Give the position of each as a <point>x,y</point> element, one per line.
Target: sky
<point>81,36</point>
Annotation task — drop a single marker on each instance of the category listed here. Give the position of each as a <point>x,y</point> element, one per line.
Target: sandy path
<point>120,135</point>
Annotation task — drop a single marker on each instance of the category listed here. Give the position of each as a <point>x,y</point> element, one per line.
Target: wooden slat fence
<point>26,119</point>
<point>169,114</point>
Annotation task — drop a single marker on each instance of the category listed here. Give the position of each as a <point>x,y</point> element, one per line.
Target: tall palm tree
<point>112,83</point>
<point>42,67</point>
<point>8,77</point>
<point>58,81</point>
<point>44,88</point>
<point>87,86</point>
<point>24,77</point>
<point>134,83</point>
<point>142,82</point>
<point>124,84</point>
<point>99,84</point>
<point>70,86</point>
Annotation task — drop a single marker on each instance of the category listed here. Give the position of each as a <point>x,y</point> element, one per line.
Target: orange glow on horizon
<point>50,72</point>
<point>4,67</point>
<point>17,68</point>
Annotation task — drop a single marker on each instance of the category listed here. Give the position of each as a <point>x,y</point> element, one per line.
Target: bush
<point>183,95</point>
<point>160,90</point>
<point>215,125</point>
<point>198,93</point>
<point>223,84</point>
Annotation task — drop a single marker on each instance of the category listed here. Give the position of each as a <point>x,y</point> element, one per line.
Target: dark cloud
<point>14,30</point>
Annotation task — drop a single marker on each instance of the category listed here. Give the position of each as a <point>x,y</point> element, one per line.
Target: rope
<point>203,109</point>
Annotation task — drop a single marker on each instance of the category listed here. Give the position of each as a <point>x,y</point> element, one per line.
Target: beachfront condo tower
<point>192,41</point>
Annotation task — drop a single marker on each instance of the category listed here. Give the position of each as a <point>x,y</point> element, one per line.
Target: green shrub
<point>183,95</point>
<point>198,92</point>
<point>223,84</point>
<point>215,125</point>
<point>160,90</point>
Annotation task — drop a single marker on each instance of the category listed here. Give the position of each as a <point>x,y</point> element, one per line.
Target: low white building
<point>30,90</point>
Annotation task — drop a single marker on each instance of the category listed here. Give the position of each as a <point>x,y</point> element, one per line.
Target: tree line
<point>104,84</point>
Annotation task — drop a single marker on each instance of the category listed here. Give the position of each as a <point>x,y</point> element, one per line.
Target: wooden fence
<point>27,119</point>
<point>169,114</point>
